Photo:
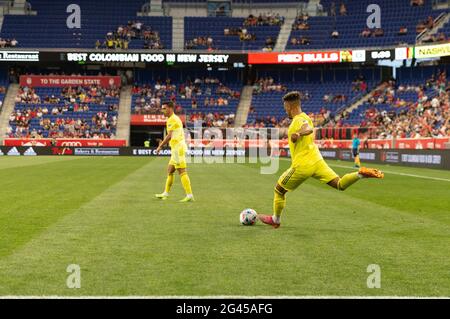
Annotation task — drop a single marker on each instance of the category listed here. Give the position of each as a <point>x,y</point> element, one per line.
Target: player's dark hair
<point>293,96</point>
<point>169,104</point>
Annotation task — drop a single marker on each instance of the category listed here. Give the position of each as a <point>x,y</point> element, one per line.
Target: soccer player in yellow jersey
<point>306,161</point>
<point>175,138</point>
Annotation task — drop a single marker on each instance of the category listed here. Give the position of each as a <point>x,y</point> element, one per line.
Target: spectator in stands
<point>402,31</point>
<point>267,84</point>
<point>420,27</point>
<point>245,36</point>
<point>121,38</point>
<point>416,3</point>
<point>428,38</point>
<point>335,34</point>
<point>305,41</point>
<point>423,118</point>
<point>429,23</point>
<point>359,84</point>
<point>200,43</point>
<point>333,9</point>
<point>269,19</point>
<point>433,38</point>
<point>441,37</point>
<point>301,41</point>
<point>342,10</point>
<point>366,33</point>
<point>363,86</point>
<point>269,45</point>
<point>379,32</point>
<point>303,25</point>
<point>8,43</point>
<point>301,22</point>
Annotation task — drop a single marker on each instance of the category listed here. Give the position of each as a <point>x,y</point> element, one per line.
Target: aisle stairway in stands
<point>178,33</point>
<point>8,107</point>
<point>244,106</point>
<point>284,34</point>
<point>124,117</point>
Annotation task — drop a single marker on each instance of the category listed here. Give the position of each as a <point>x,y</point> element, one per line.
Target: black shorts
<point>355,152</point>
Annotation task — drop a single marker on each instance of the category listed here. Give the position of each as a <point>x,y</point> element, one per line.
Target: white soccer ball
<point>248,217</point>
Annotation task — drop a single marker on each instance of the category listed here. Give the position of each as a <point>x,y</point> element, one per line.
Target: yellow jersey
<point>175,126</point>
<point>304,152</point>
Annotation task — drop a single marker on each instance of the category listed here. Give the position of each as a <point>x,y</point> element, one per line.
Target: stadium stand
<point>48,28</point>
<point>323,97</point>
<point>411,107</point>
<point>230,33</point>
<point>131,36</point>
<point>202,97</point>
<point>395,15</point>
<point>88,112</point>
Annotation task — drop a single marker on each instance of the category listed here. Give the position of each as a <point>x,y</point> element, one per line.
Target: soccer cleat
<point>371,172</point>
<point>267,219</point>
<point>162,196</point>
<point>187,199</point>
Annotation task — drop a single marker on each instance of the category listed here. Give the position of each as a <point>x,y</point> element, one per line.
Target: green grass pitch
<point>100,213</point>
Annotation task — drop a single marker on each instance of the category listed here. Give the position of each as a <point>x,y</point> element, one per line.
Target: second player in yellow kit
<point>178,147</point>
<point>306,161</point>
<point>177,144</point>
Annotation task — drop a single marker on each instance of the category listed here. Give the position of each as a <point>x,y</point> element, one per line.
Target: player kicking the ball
<point>175,138</point>
<point>306,161</point>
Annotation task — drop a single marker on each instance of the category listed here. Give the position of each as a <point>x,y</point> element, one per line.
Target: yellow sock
<point>347,180</point>
<point>186,182</point>
<point>357,161</point>
<point>169,183</point>
<point>279,201</point>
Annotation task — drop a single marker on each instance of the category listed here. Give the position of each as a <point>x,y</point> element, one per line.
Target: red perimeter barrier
<point>64,142</point>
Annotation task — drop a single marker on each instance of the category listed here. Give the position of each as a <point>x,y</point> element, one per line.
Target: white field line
<point>221,297</point>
